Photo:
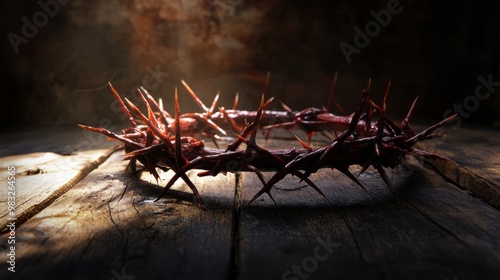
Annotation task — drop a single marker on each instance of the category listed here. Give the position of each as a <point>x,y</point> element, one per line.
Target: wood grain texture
<point>435,231</point>
<point>109,223</point>
<point>475,161</point>
<point>42,177</point>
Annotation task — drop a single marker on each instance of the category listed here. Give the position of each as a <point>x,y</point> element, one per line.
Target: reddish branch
<point>166,143</point>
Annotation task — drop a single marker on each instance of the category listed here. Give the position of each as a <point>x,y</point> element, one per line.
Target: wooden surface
<point>475,160</point>
<point>104,224</point>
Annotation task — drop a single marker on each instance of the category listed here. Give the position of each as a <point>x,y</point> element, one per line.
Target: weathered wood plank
<point>42,177</point>
<point>109,225</point>
<point>48,161</point>
<point>475,165</point>
<point>372,235</point>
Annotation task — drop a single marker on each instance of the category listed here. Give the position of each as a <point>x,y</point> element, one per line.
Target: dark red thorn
<point>181,161</point>
<point>303,143</point>
<point>345,171</point>
<point>266,85</point>
<point>257,172</point>
<point>132,165</point>
<point>386,95</point>
<point>309,136</point>
<point>214,103</point>
<point>112,135</point>
<point>388,121</point>
<point>194,96</point>
<point>368,86</point>
<point>369,113</point>
<point>366,165</point>
<point>423,134</point>
<point>249,128</point>
<point>257,195</point>
<point>236,99</point>
<point>332,90</point>
<point>287,109</point>
<point>308,181</point>
<point>286,125</point>
<point>272,198</point>
<point>167,186</point>
<point>180,174</point>
<point>233,124</point>
<point>405,124</point>
<point>212,137</point>
<point>388,182</point>
<point>156,130</point>
<point>158,106</point>
<point>124,108</point>
<point>377,149</point>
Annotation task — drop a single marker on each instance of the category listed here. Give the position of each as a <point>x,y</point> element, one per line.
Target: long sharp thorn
<point>368,86</point>
<point>388,182</point>
<point>257,195</point>
<point>266,85</point>
<point>406,121</point>
<point>287,109</point>
<point>272,198</point>
<point>156,130</point>
<point>192,187</point>
<point>330,98</point>
<point>342,111</point>
<point>167,186</point>
<point>303,143</point>
<point>194,96</point>
<point>122,104</point>
<point>236,99</point>
<point>214,103</point>
<point>309,182</point>
<point>348,173</point>
<point>426,132</point>
<point>178,151</point>
<point>366,165</point>
<point>112,135</point>
<point>158,105</point>
<point>386,95</point>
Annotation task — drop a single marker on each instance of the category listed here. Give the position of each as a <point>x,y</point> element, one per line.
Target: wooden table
<point>81,216</point>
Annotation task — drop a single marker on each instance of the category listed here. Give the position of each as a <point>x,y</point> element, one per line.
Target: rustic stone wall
<point>60,75</point>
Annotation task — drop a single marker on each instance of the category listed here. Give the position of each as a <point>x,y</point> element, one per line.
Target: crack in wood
<point>37,208</point>
<point>233,271</point>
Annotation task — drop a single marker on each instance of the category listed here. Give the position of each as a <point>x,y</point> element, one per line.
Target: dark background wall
<point>59,75</point>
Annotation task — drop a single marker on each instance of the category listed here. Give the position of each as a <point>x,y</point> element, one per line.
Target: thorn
<point>272,198</point>
<point>194,96</point>
<point>214,103</point>
<point>303,143</point>
<point>426,132</point>
<point>287,109</point>
<point>308,181</point>
<point>386,95</point>
<point>383,174</point>
<point>330,98</point>
<point>156,130</point>
<point>124,108</point>
<point>236,99</point>
<point>348,173</point>
<point>181,161</point>
<point>266,85</point>
<point>368,86</point>
<point>406,121</point>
